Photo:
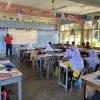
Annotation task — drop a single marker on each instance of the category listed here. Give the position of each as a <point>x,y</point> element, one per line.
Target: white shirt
<point>76,62</point>
<point>48,48</point>
<point>93,59</point>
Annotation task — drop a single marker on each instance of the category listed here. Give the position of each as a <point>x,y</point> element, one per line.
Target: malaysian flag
<point>58,18</point>
<point>19,14</point>
<point>95,19</point>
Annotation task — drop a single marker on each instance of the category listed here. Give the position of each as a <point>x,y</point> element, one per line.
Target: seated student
<point>29,46</point>
<point>83,45</point>
<point>68,53</point>
<point>93,59</point>
<point>76,62</point>
<point>48,47</point>
<point>87,45</point>
<point>73,45</point>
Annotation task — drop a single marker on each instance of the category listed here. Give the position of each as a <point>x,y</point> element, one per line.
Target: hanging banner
<point>58,18</point>
<point>19,14</point>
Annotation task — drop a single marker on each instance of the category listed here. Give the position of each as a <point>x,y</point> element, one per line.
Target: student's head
<point>67,42</point>
<point>49,43</point>
<point>73,43</point>
<point>87,43</point>
<point>83,44</point>
<point>7,35</point>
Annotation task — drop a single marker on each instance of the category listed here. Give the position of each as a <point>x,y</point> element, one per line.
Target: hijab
<point>76,62</point>
<point>93,59</point>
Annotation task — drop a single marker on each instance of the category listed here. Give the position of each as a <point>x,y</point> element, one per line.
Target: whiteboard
<point>23,36</point>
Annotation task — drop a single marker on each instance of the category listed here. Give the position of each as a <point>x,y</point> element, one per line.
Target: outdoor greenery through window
<point>91,33</point>
<point>66,33</point>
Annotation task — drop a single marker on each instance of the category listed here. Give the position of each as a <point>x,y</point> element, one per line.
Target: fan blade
<point>60,7</point>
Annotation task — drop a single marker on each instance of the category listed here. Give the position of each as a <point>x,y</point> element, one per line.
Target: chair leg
<point>71,85</point>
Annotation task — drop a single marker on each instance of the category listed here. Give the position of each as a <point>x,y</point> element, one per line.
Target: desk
<point>61,65</point>
<point>43,56</point>
<point>11,77</point>
<point>15,78</point>
<point>91,81</point>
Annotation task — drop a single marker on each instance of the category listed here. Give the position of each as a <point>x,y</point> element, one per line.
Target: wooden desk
<point>91,81</point>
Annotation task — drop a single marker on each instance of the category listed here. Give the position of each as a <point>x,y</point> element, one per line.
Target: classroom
<point>50,51</point>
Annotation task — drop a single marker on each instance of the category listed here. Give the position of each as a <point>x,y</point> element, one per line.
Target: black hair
<point>83,43</point>
<point>73,43</point>
<point>49,43</point>
<point>7,34</point>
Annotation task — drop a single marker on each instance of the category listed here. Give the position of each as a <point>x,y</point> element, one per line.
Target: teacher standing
<point>8,40</point>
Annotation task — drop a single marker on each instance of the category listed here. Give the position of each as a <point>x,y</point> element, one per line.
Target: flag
<point>19,14</point>
<point>95,19</point>
<point>58,18</point>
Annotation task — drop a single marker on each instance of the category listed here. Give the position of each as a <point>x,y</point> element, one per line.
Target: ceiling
<point>72,6</point>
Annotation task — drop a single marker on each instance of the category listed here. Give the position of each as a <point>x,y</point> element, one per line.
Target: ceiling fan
<point>58,8</point>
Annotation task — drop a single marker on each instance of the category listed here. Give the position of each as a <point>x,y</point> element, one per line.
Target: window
<point>67,35</point>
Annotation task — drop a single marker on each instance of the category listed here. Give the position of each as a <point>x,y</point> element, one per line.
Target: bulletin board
<point>23,36</point>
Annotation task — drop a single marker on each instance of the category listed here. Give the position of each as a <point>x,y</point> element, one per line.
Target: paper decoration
<point>19,14</point>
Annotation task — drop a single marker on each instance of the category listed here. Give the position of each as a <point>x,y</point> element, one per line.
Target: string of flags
<point>29,29</point>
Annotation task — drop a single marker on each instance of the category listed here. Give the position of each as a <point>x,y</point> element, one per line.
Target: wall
<point>42,37</point>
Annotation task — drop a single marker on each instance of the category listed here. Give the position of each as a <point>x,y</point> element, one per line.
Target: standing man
<point>8,39</point>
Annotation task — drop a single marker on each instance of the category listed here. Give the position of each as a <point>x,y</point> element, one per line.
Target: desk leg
<point>59,75</point>
<point>41,69</point>
<point>0,93</point>
<point>19,89</point>
<point>66,80</point>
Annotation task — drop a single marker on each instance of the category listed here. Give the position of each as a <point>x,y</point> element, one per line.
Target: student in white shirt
<point>48,47</point>
<point>29,46</point>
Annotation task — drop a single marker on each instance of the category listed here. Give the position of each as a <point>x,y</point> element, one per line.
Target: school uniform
<point>93,59</point>
<point>48,48</point>
<point>76,62</point>
<point>29,47</point>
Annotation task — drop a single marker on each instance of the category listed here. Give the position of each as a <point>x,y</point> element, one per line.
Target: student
<point>8,40</point>
<point>73,43</point>
<point>87,45</point>
<point>48,47</point>
<point>93,59</point>
<point>67,44</point>
<point>29,46</point>
<point>83,45</point>
<point>76,62</point>
<point>68,53</point>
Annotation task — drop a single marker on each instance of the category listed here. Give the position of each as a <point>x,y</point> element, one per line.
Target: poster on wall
<point>23,36</point>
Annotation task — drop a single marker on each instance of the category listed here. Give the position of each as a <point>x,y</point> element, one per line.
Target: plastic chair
<point>4,95</point>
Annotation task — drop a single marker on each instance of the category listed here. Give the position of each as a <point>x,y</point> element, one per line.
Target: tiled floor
<point>36,89</point>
